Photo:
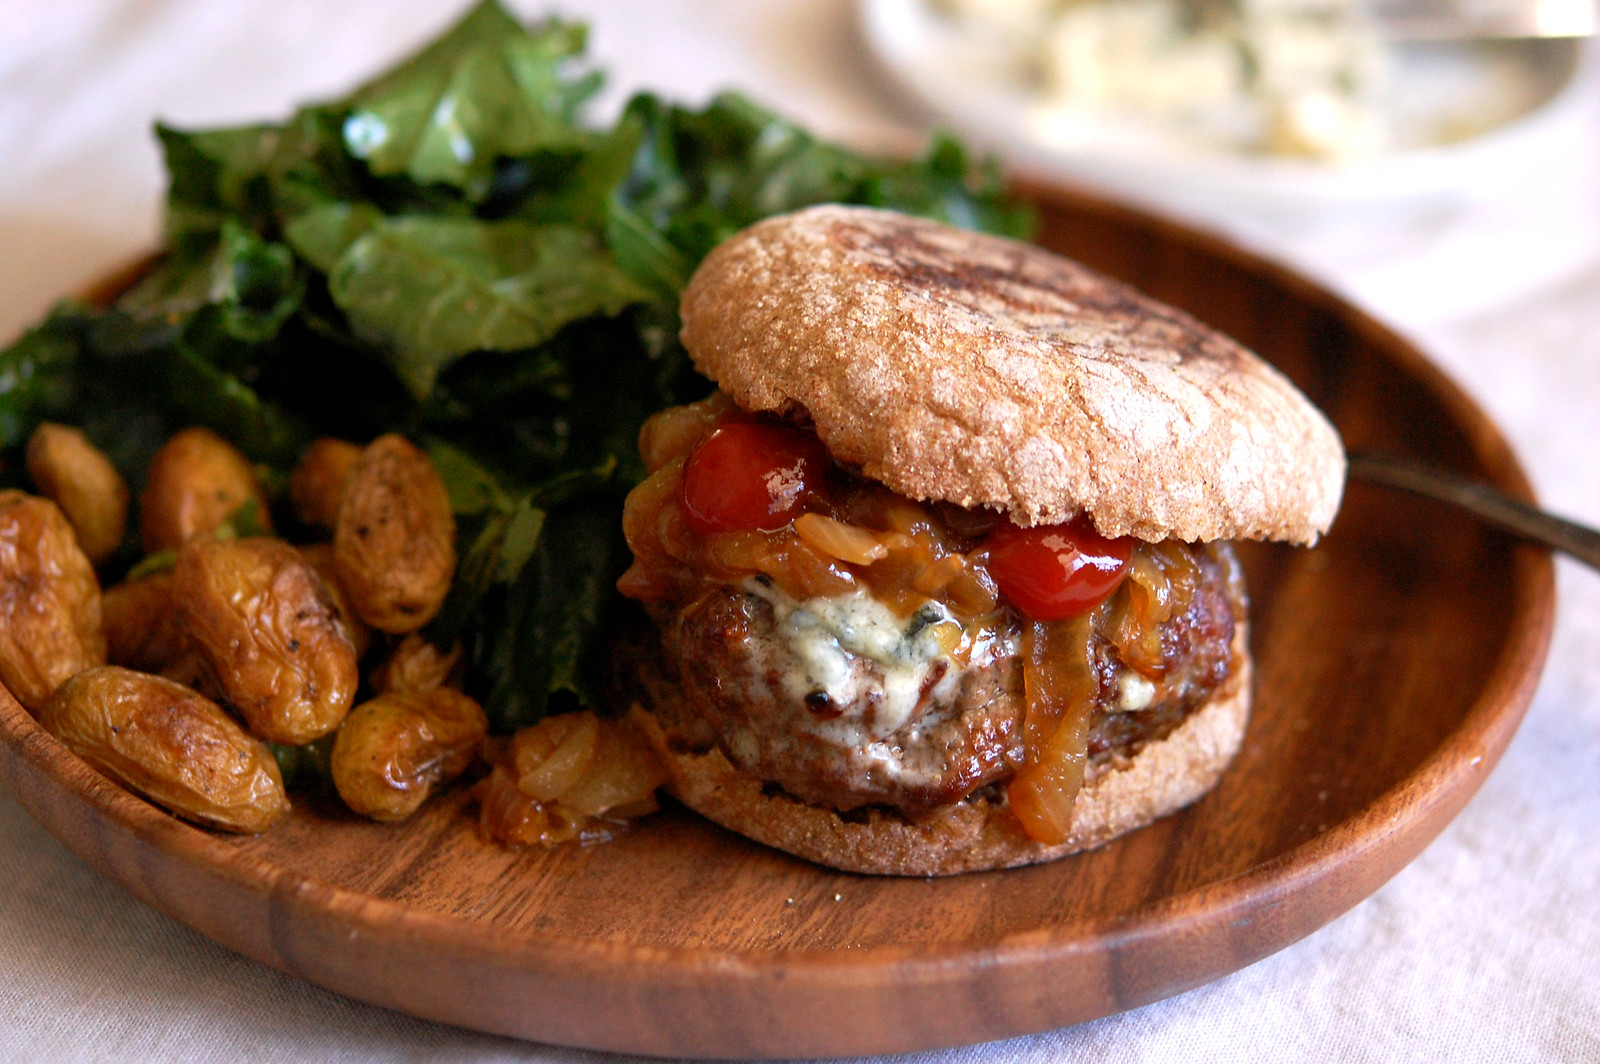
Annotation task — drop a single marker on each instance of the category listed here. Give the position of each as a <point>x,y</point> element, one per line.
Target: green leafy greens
<point>451,252</point>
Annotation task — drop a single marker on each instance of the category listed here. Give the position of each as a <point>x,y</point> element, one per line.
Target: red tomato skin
<point>1052,572</point>
<point>750,474</point>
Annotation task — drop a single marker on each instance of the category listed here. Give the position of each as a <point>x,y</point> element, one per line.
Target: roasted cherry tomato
<point>748,474</point>
<point>1051,572</point>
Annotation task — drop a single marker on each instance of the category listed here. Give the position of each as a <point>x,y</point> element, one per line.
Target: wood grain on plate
<point>1393,664</point>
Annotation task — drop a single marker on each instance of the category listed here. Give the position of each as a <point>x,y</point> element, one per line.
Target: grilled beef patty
<point>843,705</point>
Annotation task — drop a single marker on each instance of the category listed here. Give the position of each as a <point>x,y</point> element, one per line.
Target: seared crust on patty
<point>980,832</point>
<point>965,367</point>
<point>732,666</point>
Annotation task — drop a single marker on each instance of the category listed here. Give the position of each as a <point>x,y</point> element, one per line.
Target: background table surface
<point>1487,947</point>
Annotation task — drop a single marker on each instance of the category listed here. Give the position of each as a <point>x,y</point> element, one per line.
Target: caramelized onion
<point>1161,584</point>
<point>1043,795</point>
<point>550,760</point>
<point>1180,569</point>
<point>905,516</point>
<point>672,433</point>
<point>936,577</point>
<point>1059,686</point>
<point>1057,676</point>
<point>1132,626</point>
<point>807,572</point>
<point>855,533</point>
<point>627,785</point>
<point>570,777</point>
<point>845,542</point>
<point>642,516</point>
<point>1146,571</point>
<point>973,593</point>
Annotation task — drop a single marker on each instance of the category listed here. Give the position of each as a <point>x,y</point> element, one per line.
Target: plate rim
<point>1416,808</point>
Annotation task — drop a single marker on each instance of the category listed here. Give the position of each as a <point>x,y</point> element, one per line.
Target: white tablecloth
<point>1487,947</point>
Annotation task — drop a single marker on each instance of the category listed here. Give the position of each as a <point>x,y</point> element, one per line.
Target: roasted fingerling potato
<point>270,635</point>
<point>49,600</point>
<point>393,751</point>
<point>197,482</point>
<point>141,623</point>
<point>317,484</point>
<point>77,477</point>
<point>224,651</point>
<point>394,541</point>
<point>170,744</point>
<point>320,557</point>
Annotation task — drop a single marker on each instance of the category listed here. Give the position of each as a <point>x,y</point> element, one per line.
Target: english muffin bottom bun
<point>940,570</point>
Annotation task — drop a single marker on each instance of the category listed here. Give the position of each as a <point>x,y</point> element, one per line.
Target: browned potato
<point>415,664</point>
<point>320,557</point>
<point>317,483</point>
<point>82,481</point>
<point>197,481</point>
<point>170,744</point>
<point>394,542</point>
<point>143,632</point>
<point>393,751</point>
<point>141,624</point>
<point>49,600</point>
<point>270,635</point>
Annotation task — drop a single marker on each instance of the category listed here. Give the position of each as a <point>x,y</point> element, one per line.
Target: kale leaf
<point>453,252</point>
<point>431,290</point>
<point>488,89</point>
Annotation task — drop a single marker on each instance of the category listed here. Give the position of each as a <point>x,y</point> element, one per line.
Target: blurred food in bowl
<point>1285,77</point>
<point>1422,179</point>
<point>1296,99</point>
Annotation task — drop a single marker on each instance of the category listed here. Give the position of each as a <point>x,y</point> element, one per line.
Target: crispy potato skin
<point>141,624</point>
<point>143,631</point>
<point>197,481</point>
<point>270,635</point>
<point>394,750</point>
<point>394,542</point>
<point>317,484</point>
<point>49,600</point>
<point>73,472</point>
<point>320,557</point>
<point>169,744</point>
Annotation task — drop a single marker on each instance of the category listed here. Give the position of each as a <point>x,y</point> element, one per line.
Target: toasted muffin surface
<point>958,366</point>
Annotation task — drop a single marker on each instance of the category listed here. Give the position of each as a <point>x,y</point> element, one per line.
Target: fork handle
<point>1484,502</point>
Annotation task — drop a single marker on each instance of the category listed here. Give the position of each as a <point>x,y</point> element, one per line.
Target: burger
<point>939,575</point>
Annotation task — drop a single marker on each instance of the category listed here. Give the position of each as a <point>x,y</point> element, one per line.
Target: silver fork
<point>1484,502</point>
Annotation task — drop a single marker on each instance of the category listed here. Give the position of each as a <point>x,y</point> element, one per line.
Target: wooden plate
<point>1393,664</point>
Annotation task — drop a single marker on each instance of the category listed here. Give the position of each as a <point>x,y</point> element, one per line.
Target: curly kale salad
<point>454,252</point>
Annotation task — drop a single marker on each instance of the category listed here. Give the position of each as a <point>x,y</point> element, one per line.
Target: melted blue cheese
<point>1134,692</point>
<point>822,637</point>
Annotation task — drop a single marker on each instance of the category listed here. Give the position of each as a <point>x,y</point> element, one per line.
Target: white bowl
<point>1409,231</point>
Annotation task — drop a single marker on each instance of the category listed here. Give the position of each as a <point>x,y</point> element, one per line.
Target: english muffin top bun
<point>955,365</point>
<point>940,572</point>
